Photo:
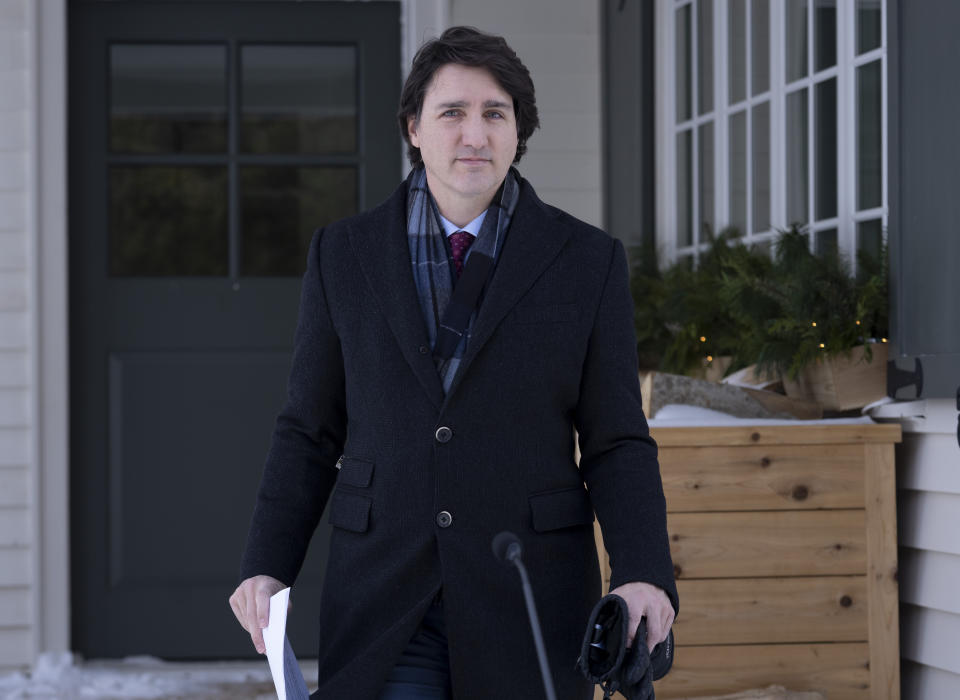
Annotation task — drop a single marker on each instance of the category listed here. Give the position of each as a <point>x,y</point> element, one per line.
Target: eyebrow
<point>463,103</point>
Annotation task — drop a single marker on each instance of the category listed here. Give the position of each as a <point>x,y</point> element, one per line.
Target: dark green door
<point>207,141</point>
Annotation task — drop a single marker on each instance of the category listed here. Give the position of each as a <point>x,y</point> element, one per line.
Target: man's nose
<point>474,132</point>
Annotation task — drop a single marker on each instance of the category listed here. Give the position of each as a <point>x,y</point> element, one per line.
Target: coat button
<point>424,349</point>
<point>444,434</point>
<point>444,519</point>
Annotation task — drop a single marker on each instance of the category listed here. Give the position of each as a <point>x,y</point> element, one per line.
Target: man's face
<point>467,136</point>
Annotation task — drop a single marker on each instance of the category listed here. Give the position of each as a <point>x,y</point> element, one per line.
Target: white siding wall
<point>559,41</point>
<point>17,346</point>
<point>928,467</point>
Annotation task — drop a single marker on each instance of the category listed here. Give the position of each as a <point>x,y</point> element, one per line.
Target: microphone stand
<point>512,556</point>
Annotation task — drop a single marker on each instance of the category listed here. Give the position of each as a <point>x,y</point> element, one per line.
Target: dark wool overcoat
<point>552,350</point>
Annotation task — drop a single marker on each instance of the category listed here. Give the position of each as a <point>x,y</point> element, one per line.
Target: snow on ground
<point>65,677</point>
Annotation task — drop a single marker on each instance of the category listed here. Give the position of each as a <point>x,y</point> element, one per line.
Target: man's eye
<point>494,115</point>
<point>451,113</point>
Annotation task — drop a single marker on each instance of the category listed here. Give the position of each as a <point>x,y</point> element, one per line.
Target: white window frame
<point>666,128</point>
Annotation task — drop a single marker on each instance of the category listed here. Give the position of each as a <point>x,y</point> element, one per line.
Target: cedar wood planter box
<point>784,542</point>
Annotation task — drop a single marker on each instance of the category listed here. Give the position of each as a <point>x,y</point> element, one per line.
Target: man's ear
<point>412,131</point>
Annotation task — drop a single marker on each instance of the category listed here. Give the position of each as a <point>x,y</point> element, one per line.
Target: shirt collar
<point>473,228</point>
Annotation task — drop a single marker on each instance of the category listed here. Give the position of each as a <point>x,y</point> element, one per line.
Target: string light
<point>709,358</point>
<point>883,340</point>
<point>858,323</point>
<point>814,324</point>
<point>822,345</point>
<point>703,338</point>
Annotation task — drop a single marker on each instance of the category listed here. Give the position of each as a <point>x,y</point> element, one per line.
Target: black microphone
<point>508,549</point>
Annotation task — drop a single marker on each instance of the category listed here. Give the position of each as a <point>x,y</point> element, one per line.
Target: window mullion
<point>693,57</point>
<point>748,33</point>
<point>846,131</point>
<point>778,122</point>
<point>883,119</point>
<point>811,135</point>
<point>722,133</point>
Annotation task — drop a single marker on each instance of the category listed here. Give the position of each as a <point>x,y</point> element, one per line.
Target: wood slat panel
<point>839,671</point>
<point>769,543</point>
<point>772,610</point>
<point>762,477</point>
<point>882,586</point>
<point>820,433</point>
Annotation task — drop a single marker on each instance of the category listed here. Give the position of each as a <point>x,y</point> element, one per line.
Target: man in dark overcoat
<point>425,455</point>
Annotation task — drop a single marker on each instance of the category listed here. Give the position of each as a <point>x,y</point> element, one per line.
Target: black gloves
<point>606,660</point>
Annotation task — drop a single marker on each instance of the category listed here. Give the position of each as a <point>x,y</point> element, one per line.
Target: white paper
<point>287,677</point>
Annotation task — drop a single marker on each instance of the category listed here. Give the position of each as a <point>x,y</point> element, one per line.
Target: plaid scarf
<point>433,271</point>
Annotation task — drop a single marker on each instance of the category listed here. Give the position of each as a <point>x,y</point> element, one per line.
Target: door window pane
<point>298,99</point>
<point>868,25</point>
<point>280,209</point>
<point>761,167</point>
<point>798,194</point>
<point>760,47</point>
<point>168,98</point>
<point>705,56</point>
<point>824,34</point>
<point>706,177</point>
<point>738,171</point>
<point>796,32</point>
<point>737,39</point>
<point>684,188</point>
<point>684,75</point>
<point>869,161</point>
<point>168,221</point>
<point>825,156</point>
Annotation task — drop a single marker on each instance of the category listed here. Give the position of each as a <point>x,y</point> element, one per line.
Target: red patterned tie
<point>460,243</point>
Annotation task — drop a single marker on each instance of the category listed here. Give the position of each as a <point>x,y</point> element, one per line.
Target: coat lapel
<point>535,238</point>
<point>384,256</point>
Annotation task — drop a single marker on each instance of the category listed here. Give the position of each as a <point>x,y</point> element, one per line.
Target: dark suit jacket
<point>552,349</point>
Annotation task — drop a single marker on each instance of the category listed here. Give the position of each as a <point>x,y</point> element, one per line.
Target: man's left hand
<point>646,600</point>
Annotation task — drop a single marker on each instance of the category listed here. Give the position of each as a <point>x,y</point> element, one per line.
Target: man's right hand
<point>251,604</point>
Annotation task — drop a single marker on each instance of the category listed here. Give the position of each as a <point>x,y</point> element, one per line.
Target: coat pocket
<point>561,508</point>
<point>355,472</point>
<point>350,511</point>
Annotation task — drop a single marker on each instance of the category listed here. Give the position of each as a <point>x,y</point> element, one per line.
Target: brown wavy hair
<point>468,46</point>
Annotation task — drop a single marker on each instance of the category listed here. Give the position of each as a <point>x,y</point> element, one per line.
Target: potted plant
<point>822,329</point>
<point>682,324</point>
